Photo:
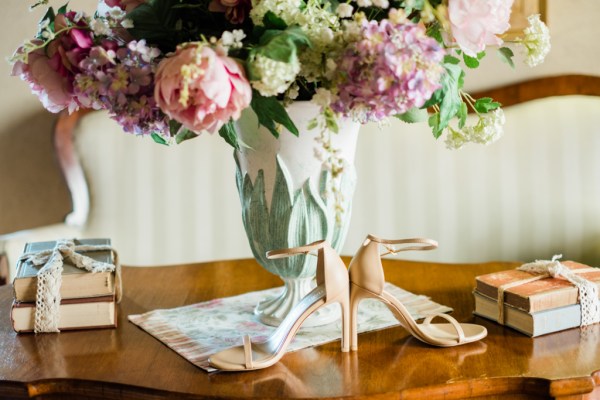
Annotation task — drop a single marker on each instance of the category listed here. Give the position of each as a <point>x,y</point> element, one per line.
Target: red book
<point>543,294</point>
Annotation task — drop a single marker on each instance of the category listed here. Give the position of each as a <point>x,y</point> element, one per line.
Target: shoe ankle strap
<point>294,251</point>
<point>419,244</point>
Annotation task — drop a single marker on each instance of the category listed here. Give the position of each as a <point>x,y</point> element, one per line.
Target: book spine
<point>555,299</point>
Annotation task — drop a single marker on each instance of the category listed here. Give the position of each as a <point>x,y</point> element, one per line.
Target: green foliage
<point>272,21</point>
<point>183,135</point>
<point>158,139</point>
<point>155,21</point>
<point>270,112</point>
<point>282,45</point>
<point>506,55</point>
<point>413,115</point>
<point>229,133</point>
<point>485,104</point>
<point>447,98</point>
<point>471,62</point>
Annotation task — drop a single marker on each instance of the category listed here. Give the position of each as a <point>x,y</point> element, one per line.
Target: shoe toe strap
<point>459,330</point>
<point>248,351</point>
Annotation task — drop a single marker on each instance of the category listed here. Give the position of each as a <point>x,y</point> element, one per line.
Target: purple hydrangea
<point>121,80</point>
<point>392,68</point>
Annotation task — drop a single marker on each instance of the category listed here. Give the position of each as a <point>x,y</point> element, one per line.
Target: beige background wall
<point>31,190</point>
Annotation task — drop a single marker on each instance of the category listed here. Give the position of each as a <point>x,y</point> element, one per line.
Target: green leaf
<point>63,9</point>
<point>270,112</point>
<point>174,127</point>
<point>485,104</point>
<point>183,135</point>
<point>471,62</point>
<point>282,45</point>
<point>229,133</point>
<point>462,115</point>
<point>272,21</point>
<point>506,55</point>
<point>434,123</point>
<point>158,139</point>
<point>156,21</point>
<point>448,59</point>
<point>413,115</point>
<point>480,55</point>
<point>451,101</point>
<point>435,32</point>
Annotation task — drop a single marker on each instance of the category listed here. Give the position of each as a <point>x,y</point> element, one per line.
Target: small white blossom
<point>274,76</point>
<point>344,10</point>
<point>364,3</point>
<point>127,23</point>
<point>100,27</point>
<point>536,41</point>
<point>488,129</point>
<point>322,97</point>
<point>116,13</point>
<point>381,3</point>
<point>397,16</point>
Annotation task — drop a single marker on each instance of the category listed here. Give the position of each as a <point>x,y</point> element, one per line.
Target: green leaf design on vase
<point>295,218</point>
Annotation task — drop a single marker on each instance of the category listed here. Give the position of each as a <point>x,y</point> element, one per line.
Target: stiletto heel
<point>367,281</point>
<point>332,287</point>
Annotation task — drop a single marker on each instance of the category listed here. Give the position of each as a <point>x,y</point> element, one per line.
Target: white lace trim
<point>49,277</point>
<point>588,291</point>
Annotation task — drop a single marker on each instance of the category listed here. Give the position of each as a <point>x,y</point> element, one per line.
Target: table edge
<point>451,390</point>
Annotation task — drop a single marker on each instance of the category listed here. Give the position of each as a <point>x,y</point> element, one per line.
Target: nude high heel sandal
<point>332,287</point>
<point>367,280</point>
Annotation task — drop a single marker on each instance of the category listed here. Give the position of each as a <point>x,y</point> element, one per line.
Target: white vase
<point>287,201</point>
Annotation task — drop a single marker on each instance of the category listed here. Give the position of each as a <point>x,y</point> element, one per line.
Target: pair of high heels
<point>363,279</point>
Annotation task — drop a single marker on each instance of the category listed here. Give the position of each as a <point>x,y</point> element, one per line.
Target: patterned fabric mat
<point>199,330</point>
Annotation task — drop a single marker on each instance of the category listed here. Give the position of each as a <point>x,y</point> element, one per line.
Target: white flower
<point>100,27</point>
<point>116,13</point>
<point>274,76</point>
<point>322,97</point>
<point>364,3</point>
<point>233,38</point>
<point>488,129</point>
<point>537,41</point>
<point>127,23</point>
<point>344,10</point>
<point>287,10</point>
<point>397,16</point>
<point>381,3</point>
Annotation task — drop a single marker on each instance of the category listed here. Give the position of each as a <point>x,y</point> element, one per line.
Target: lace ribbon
<point>49,277</point>
<point>588,291</point>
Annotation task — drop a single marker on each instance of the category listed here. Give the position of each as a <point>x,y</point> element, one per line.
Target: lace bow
<point>588,291</point>
<point>49,277</point>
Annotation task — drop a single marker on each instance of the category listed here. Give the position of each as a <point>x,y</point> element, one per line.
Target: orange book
<point>543,294</point>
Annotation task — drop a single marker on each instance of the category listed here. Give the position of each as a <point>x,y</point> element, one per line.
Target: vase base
<point>272,311</point>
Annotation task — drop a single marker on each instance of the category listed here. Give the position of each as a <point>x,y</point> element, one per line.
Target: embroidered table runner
<point>199,330</point>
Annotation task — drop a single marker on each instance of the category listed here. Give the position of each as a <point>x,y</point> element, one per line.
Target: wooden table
<point>128,363</point>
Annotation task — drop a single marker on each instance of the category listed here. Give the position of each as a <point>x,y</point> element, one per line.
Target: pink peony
<point>127,5</point>
<point>475,23</point>
<point>201,88</point>
<point>236,11</point>
<point>54,90</point>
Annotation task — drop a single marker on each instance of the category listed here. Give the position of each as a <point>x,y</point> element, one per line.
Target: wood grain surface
<point>127,363</point>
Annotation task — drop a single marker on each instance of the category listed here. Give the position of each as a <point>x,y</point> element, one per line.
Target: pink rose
<point>200,88</point>
<point>127,5</point>
<point>475,23</point>
<point>235,11</point>
<point>54,90</point>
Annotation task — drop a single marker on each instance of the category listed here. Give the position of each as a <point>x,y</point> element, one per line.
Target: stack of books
<point>534,308</point>
<point>87,299</point>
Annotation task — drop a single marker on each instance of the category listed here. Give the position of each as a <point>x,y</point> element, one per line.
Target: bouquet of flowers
<point>173,69</point>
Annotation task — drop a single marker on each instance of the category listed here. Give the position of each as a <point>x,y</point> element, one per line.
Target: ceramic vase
<point>287,196</point>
